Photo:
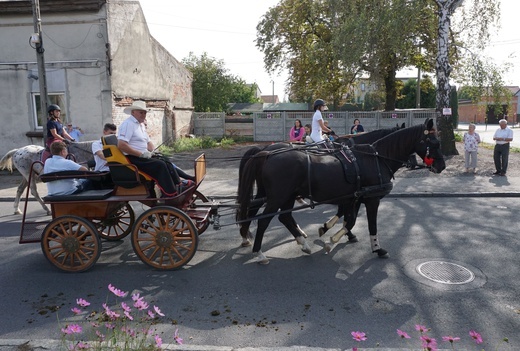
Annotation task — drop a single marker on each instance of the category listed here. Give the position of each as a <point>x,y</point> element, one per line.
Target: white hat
<point>137,105</point>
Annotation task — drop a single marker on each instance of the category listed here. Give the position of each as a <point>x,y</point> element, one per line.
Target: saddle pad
<point>88,195</point>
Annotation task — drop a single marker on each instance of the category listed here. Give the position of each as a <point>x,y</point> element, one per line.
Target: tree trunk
<point>390,91</point>
<point>443,68</point>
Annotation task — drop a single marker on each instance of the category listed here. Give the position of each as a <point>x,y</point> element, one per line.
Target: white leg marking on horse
<point>331,222</point>
<point>304,246</point>
<point>301,231</point>
<point>374,242</point>
<point>336,237</point>
<point>260,258</point>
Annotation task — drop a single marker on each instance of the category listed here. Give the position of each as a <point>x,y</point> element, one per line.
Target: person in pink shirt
<point>297,132</point>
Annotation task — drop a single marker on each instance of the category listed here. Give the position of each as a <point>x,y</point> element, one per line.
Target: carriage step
<point>32,232</point>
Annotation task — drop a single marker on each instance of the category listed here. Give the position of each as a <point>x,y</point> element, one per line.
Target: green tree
<point>213,87</point>
<point>407,97</point>
<point>297,35</point>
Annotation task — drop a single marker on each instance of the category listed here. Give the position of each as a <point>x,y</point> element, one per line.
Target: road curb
<point>55,345</point>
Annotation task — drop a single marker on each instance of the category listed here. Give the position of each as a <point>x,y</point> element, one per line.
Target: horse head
<point>429,148</point>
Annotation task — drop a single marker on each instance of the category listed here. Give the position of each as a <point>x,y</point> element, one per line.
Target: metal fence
<point>275,126</point>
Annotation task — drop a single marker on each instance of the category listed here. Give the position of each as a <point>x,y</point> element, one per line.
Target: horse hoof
<point>245,243</point>
<point>328,249</point>
<point>304,235</point>
<point>353,239</point>
<point>49,213</point>
<point>382,253</point>
<point>18,212</point>
<point>322,231</point>
<point>261,259</point>
<point>306,249</point>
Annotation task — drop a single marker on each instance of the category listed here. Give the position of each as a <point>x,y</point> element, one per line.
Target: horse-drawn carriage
<point>165,236</point>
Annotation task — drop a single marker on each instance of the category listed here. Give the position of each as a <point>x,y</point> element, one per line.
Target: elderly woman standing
<point>471,141</point>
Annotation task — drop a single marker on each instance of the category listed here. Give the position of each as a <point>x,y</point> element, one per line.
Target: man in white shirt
<point>134,142</point>
<point>503,136</point>
<point>57,163</point>
<point>97,149</point>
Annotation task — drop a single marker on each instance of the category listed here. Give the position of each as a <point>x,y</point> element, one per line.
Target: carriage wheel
<point>71,243</point>
<point>198,197</point>
<point>165,238</point>
<point>117,224</point>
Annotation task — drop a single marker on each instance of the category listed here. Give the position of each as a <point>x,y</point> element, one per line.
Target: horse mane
<point>398,142</point>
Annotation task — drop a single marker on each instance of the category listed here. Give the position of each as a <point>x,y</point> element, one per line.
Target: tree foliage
<point>213,87</point>
<point>407,97</point>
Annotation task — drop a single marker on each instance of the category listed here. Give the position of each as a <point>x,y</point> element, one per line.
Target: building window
<point>40,117</point>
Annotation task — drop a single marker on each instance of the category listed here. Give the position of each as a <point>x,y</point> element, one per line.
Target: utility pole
<point>418,89</point>
<point>37,39</point>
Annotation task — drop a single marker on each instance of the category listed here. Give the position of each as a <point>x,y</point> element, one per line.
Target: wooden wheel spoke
<point>170,242</point>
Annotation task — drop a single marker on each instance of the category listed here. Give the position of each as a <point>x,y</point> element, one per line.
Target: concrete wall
<point>75,64</point>
<point>144,70</point>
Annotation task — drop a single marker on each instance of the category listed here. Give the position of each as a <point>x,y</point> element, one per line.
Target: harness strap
<point>311,205</point>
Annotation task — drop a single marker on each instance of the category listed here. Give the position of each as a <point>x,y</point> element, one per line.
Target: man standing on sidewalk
<point>503,136</point>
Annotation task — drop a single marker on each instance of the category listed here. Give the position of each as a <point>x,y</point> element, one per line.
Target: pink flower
<point>176,337</point>
<point>430,344</point>
<point>358,336</point>
<point>158,311</point>
<point>476,336</point>
<point>100,336</point>
<point>72,329</point>
<point>128,315</point>
<point>75,310</point>
<point>82,302</point>
<point>125,307</point>
<point>151,314</point>
<point>136,297</point>
<point>141,304</point>
<point>450,338</point>
<point>403,334</point>
<point>158,341</point>
<point>116,291</point>
<point>421,328</point>
<point>354,349</point>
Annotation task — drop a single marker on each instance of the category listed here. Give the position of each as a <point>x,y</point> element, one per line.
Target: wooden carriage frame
<point>165,236</point>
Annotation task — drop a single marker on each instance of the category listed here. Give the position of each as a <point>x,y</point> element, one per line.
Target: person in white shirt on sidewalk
<point>503,136</point>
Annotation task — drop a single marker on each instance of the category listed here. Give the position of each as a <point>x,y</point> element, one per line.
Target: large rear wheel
<point>165,238</point>
<point>71,243</point>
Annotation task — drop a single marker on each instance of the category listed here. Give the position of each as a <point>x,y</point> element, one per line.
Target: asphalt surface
<point>453,218</point>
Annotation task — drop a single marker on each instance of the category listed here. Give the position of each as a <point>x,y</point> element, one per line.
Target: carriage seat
<point>123,172</point>
<point>87,195</point>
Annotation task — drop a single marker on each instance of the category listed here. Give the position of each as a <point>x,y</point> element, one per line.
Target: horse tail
<point>247,155</point>
<point>7,161</point>
<point>246,183</point>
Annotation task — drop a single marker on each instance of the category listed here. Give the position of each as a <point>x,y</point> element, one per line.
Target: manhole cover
<point>445,272</point>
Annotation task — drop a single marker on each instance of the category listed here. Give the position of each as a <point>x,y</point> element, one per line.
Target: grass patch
<point>192,144</point>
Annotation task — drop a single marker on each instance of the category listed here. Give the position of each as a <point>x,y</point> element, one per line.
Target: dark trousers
<point>162,173</point>
<point>501,157</point>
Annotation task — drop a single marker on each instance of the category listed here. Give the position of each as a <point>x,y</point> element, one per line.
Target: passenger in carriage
<point>97,149</point>
<point>134,142</point>
<point>59,162</point>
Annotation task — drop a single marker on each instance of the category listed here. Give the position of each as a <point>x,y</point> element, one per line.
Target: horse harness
<point>347,159</point>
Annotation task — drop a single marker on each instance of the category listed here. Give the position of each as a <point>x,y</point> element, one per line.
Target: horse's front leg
<point>350,213</point>
<point>331,222</point>
<point>372,207</point>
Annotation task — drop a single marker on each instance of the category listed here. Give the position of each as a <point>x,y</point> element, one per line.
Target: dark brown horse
<point>349,140</point>
<point>322,177</point>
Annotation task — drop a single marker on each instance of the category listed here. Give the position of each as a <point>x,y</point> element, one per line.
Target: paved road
<point>223,299</point>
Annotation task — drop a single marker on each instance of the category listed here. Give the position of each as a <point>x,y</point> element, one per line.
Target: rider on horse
<point>55,130</point>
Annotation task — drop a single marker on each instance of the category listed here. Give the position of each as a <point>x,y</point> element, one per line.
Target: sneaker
<point>496,173</point>
<point>503,174</point>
